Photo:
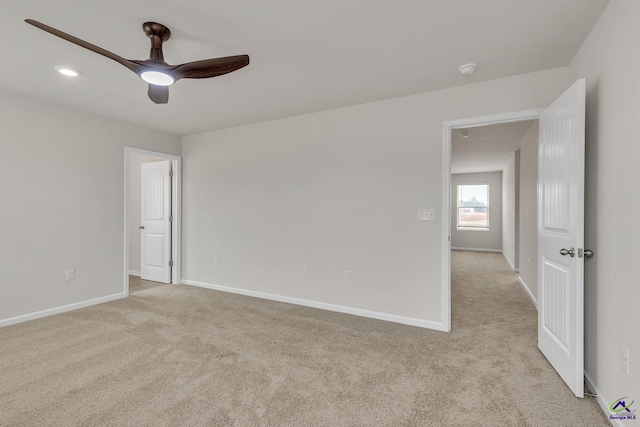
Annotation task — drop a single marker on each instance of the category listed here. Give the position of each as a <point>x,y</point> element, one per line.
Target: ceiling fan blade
<point>159,94</point>
<point>127,63</point>
<point>210,67</point>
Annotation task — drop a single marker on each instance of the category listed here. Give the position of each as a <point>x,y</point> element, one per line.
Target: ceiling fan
<point>154,70</point>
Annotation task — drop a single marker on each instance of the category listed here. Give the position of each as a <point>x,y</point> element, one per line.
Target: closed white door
<point>561,236</point>
<point>155,224</point>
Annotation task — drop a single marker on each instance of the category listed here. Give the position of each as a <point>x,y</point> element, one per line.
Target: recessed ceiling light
<point>157,78</point>
<point>68,71</point>
<point>467,69</point>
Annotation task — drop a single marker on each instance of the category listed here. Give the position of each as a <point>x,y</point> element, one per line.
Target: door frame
<point>447,127</point>
<point>176,211</point>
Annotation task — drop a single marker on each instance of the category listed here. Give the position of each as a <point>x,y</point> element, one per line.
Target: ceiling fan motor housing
<point>158,34</point>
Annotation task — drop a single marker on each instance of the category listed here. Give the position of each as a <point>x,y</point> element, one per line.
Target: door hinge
<point>170,263</point>
<point>170,218</point>
<point>171,174</point>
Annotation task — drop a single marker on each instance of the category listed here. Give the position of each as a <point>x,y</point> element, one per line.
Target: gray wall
<point>62,187</point>
<point>510,179</point>
<point>478,239</point>
<point>336,190</point>
<point>529,210</point>
<point>609,61</point>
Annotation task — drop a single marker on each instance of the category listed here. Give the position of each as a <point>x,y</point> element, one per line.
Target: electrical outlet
<point>624,359</point>
<point>303,271</point>
<point>347,276</point>
<point>216,261</point>
<point>70,274</point>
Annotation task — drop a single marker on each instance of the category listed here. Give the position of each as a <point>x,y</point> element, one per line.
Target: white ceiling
<point>306,56</point>
<point>487,148</point>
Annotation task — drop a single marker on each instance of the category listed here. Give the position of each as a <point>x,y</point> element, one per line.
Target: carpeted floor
<point>136,284</point>
<point>185,356</point>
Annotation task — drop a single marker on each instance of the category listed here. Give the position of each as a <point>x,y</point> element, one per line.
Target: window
<point>473,207</point>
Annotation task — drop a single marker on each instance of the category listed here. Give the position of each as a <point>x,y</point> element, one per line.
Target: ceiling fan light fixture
<point>158,74</point>
<point>68,71</point>
<point>157,78</point>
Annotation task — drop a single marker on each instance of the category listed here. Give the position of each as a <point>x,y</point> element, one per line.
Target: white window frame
<point>458,207</point>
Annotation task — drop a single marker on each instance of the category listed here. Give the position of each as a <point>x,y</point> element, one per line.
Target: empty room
<point>249,213</point>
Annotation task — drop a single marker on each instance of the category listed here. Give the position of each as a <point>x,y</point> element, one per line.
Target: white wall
<point>336,190</point>
<point>528,255</point>
<point>509,179</point>
<point>478,239</point>
<point>133,208</point>
<point>62,187</point>
<point>610,62</point>
<point>516,240</point>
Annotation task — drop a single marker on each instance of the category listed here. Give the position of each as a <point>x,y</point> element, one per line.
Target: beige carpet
<point>184,356</point>
<point>136,284</point>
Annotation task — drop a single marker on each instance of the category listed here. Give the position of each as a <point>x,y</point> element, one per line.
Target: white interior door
<point>561,236</point>
<point>155,225</point>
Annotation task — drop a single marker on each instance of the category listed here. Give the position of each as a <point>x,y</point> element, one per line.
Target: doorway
<point>560,220</point>
<point>494,198</point>
<point>449,214</point>
<point>134,158</point>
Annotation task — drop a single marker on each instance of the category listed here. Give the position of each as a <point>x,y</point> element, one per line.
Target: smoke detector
<point>467,69</point>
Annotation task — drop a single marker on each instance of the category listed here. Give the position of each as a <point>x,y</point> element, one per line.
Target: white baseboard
<point>602,401</point>
<point>323,306</point>
<point>477,250</point>
<point>58,310</point>
<point>534,300</point>
<point>134,273</point>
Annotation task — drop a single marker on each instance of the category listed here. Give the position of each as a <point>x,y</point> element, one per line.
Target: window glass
<point>473,206</point>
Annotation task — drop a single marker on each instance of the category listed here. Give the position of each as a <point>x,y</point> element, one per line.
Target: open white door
<point>561,236</point>
<point>155,226</point>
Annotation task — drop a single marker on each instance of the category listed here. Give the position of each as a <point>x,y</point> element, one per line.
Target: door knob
<point>569,252</point>
<point>588,252</point>
<point>141,227</point>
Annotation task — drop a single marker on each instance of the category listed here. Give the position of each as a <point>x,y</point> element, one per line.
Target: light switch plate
<point>426,214</point>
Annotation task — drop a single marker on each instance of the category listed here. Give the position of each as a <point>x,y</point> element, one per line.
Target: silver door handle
<point>569,252</point>
<point>141,227</point>
<point>588,252</point>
